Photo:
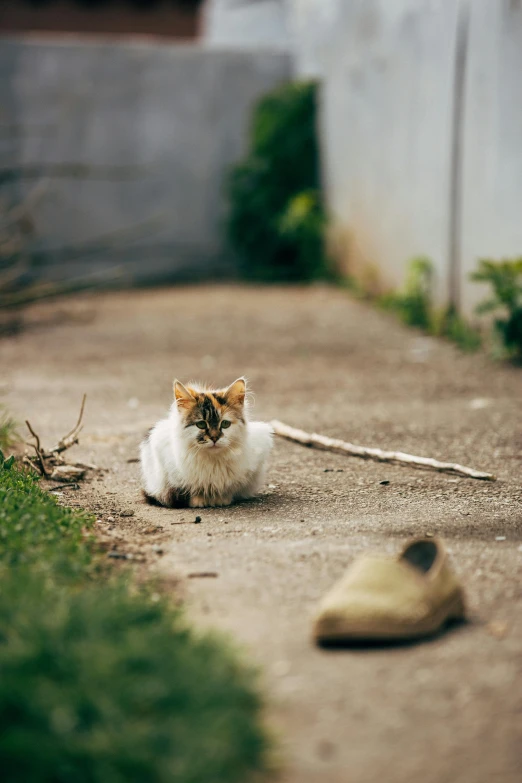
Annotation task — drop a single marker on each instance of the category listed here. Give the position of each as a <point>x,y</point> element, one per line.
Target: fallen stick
<point>72,437</point>
<point>50,463</point>
<point>332,444</point>
<point>36,446</point>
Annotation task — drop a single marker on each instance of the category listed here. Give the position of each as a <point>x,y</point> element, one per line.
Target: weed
<point>414,305</point>
<point>8,431</point>
<point>451,325</point>
<point>505,278</point>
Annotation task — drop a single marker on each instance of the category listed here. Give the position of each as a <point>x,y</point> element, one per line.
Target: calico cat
<point>206,452</point>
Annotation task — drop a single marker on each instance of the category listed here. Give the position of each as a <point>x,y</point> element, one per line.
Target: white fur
<point>217,475</point>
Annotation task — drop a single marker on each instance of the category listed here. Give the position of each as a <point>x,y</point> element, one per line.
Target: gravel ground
<point>444,711</point>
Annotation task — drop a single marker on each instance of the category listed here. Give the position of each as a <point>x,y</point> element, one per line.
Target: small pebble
<point>325,749</point>
<point>110,519</point>
<point>497,629</point>
<point>117,555</point>
<point>384,483</point>
<point>127,514</point>
<point>430,535</point>
<point>197,520</point>
<point>157,549</point>
<point>500,538</point>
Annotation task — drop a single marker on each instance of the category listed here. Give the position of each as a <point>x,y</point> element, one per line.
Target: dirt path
<point>448,711</point>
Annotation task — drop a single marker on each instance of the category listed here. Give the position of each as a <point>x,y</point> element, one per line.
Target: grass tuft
<point>101,682</point>
<point>8,431</point>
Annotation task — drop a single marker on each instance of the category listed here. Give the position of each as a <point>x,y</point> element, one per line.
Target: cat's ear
<point>182,395</point>
<point>236,392</point>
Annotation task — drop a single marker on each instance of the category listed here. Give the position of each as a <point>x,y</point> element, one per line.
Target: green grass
<point>8,431</point>
<point>102,682</point>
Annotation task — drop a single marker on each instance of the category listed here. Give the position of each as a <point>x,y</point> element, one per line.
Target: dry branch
<point>50,463</point>
<point>36,446</point>
<point>331,444</point>
<point>72,437</point>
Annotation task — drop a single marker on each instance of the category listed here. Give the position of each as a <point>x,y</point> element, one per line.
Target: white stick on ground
<point>331,444</point>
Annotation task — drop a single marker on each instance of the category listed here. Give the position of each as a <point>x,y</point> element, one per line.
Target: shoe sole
<point>454,610</point>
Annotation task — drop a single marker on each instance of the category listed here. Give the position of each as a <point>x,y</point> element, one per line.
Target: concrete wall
<point>386,127</point>
<point>246,25</point>
<point>492,139</point>
<point>173,117</point>
<point>422,138</point>
<point>312,25</point>
<point>302,27</point>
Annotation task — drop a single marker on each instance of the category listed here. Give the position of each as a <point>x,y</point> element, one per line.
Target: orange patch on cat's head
<point>184,396</point>
<point>191,398</point>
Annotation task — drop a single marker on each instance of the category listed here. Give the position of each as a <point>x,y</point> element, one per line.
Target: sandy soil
<point>444,711</point>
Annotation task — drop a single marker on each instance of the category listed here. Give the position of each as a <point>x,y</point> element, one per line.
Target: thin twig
<point>331,444</point>
<point>72,437</point>
<point>36,447</point>
<point>77,426</point>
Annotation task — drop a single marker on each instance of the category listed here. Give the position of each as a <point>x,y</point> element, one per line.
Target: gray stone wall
<point>128,146</point>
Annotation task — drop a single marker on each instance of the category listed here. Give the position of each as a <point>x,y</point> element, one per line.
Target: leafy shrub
<point>104,683</point>
<point>414,305</point>
<point>276,221</point>
<point>505,278</point>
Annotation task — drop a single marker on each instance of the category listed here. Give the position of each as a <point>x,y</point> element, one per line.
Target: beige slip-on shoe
<point>384,598</point>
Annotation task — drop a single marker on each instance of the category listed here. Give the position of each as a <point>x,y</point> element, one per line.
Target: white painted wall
<point>246,24</point>
<point>386,135</point>
<point>492,161</point>
<point>387,117</point>
<point>312,25</point>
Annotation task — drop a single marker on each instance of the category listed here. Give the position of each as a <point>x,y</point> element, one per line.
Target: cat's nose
<point>215,437</point>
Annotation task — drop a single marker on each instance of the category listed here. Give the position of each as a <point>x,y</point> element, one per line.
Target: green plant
<point>100,681</point>
<point>276,221</point>
<point>8,431</point>
<point>505,278</point>
<point>451,325</point>
<point>414,303</point>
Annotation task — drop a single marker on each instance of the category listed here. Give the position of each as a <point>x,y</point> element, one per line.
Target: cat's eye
<point>202,425</point>
<point>225,424</point>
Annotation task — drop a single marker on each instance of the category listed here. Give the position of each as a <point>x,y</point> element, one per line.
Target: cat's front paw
<point>197,501</point>
<point>224,501</point>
